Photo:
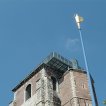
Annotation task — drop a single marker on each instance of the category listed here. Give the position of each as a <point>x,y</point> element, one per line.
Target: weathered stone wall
<point>53,96</point>
<point>42,91</point>
<point>71,89</point>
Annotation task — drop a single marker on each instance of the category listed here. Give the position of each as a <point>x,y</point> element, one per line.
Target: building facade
<point>55,82</point>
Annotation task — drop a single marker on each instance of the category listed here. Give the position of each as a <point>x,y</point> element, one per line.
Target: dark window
<point>28,92</point>
<point>54,83</point>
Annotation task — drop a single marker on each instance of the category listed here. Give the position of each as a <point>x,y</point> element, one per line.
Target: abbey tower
<point>55,82</point>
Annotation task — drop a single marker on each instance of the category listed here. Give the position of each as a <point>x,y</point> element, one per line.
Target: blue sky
<point>31,29</point>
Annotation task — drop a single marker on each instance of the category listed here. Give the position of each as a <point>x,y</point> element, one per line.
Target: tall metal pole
<point>86,65</point>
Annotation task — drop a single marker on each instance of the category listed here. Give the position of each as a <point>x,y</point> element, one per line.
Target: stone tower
<point>55,82</point>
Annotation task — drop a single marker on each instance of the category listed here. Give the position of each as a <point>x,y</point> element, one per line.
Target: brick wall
<point>72,89</point>
<point>20,93</point>
<point>82,89</point>
<point>65,90</point>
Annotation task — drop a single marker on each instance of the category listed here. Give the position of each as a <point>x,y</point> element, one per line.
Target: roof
<point>54,61</point>
<point>58,62</point>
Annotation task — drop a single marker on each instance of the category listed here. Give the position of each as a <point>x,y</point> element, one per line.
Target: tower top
<point>55,61</point>
<point>58,62</point>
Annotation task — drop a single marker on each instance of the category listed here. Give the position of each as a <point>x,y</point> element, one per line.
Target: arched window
<point>54,83</point>
<point>28,92</point>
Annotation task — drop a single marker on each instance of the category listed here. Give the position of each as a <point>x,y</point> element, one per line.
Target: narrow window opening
<point>54,83</point>
<point>83,85</point>
<point>28,92</point>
